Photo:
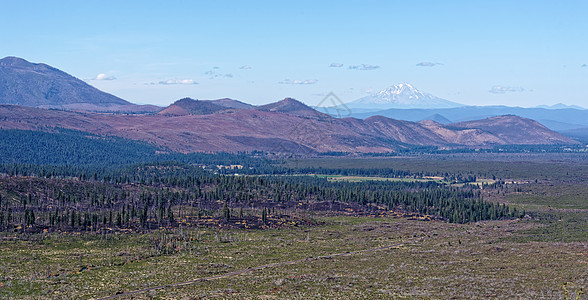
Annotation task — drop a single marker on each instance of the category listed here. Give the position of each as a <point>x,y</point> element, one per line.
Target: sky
<point>516,53</point>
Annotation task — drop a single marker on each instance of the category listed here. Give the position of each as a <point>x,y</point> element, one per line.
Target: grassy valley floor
<point>433,259</point>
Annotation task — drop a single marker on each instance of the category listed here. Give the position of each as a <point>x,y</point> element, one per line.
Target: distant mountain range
<point>39,85</point>
<point>404,102</point>
<point>555,119</point>
<point>559,106</point>
<point>288,125</point>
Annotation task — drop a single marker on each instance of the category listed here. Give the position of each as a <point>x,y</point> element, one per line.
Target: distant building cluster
<point>229,167</point>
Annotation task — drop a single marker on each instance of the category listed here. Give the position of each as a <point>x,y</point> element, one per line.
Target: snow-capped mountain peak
<point>403,90</point>
<point>404,95</point>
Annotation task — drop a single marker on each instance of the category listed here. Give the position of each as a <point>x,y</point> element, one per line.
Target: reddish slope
<point>230,103</point>
<point>247,129</point>
<point>404,131</point>
<point>293,107</point>
<point>512,129</point>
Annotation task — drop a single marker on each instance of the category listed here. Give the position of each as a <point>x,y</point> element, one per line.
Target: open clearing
<point>485,259</point>
<point>437,179</point>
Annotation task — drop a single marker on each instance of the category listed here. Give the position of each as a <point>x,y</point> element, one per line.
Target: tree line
<point>159,195</point>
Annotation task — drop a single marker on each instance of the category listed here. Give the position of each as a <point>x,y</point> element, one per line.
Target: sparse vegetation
<point>165,223</point>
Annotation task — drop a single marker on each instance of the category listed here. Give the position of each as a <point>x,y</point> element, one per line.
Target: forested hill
<point>68,147</point>
<point>75,149</point>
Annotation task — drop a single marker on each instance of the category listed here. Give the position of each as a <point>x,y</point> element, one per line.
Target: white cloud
<point>103,76</point>
<point>174,81</point>
<point>214,74</point>
<point>427,64</point>
<point>335,65</point>
<point>498,89</point>
<point>364,67</point>
<point>245,67</point>
<point>308,81</point>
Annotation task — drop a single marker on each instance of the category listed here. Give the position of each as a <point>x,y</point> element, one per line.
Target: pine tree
<point>170,215</point>
<point>226,213</point>
<point>264,215</point>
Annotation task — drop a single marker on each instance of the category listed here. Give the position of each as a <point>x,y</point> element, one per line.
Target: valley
<point>101,198</point>
<point>293,150</point>
<point>422,255</point>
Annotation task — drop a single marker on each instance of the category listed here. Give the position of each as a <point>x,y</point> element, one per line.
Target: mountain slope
<point>236,130</point>
<point>230,103</point>
<point>555,119</point>
<point>39,85</point>
<point>71,147</point>
<point>514,130</point>
<point>188,106</point>
<point>438,118</point>
<point>580,134</point>
<point>292,107</point>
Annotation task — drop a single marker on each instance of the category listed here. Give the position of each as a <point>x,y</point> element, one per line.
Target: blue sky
<point>518,53</point>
